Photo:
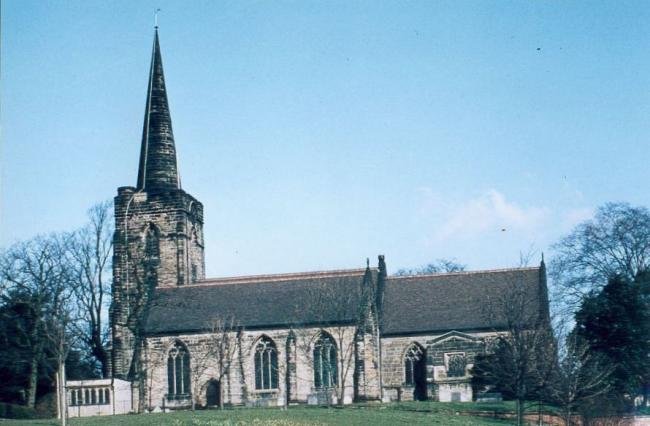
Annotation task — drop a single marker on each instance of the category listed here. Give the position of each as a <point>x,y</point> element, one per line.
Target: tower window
<point>152,245</point>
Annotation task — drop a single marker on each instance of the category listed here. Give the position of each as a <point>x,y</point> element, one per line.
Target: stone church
<point>334,336</point>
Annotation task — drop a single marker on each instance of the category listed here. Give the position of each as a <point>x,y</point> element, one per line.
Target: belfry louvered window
<point>152,245</point>
<point>325,362</point>
<point>266,364</point>
<point>178,372</point>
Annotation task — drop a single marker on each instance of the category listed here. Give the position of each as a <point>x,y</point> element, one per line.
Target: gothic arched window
<point>266,364</point>
<point>178,372</point>
<point>325,362</point>
<point>413,363</point>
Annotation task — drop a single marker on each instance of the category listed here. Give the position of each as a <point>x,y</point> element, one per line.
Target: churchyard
<point>432,413</point>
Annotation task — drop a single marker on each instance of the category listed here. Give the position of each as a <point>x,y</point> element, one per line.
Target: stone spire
<point>158,170</point>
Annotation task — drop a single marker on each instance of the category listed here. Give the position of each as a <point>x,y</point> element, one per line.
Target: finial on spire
<point>155,18</point>
<point>367,262</point>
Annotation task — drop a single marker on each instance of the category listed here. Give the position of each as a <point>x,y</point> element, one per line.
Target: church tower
<point>158,240</point>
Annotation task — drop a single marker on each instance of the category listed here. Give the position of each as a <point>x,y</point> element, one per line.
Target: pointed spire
<point>158,169</point>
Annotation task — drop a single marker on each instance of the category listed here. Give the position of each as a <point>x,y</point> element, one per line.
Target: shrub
<point>14,411</point>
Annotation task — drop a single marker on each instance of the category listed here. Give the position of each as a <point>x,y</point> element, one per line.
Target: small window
<point>73,397</point>
<point>152,244</point>
<point>456,365</point>
<point>455,397</point>
<point>107,396</point>
<point>194,273</point>
<point>94,396</point>
<point>86,396</point>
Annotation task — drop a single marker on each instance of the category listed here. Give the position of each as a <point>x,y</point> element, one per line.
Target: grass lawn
<point>391,414</point>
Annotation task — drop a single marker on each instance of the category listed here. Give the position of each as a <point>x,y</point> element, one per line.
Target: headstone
<point>312,399</point>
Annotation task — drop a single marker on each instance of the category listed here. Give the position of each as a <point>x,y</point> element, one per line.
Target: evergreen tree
<point>615,323</point>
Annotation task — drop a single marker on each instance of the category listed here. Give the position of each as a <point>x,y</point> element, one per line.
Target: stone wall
<point>295,368</point>
<point>439,348</point>
<point>175,218</point>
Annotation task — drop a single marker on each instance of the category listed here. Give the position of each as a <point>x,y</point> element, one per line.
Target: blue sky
<point>321,133</point>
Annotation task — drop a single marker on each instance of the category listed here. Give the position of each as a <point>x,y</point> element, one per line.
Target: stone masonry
<point>395,338</point>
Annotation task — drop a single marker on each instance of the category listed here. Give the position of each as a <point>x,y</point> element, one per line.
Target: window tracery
<point>411,359</point>
<point>325,362</point>
<point>456,364</point>
<point>178,372</point>
<point>266,364</point>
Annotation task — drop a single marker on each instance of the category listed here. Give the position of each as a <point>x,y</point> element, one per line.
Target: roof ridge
<point>482,271</point>
<point>290,276</point>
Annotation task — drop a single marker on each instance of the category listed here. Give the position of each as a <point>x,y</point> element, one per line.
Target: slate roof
<point>264,301</point>
<point>456,301</point>
<point>412,305</point>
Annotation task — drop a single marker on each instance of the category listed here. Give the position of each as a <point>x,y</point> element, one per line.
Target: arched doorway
<point>213,393</point>
<point>415,371</point>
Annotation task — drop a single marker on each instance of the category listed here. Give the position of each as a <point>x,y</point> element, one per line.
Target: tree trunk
<point>520,412</point>
<point>102,356</point>
<point>221,394</point>
<point>33,381</point>
<point>61,394</point>
<point>57,380</point>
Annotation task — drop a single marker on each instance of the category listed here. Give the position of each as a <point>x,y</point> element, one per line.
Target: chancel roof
<point>264,301</point>
<point>463,301</point>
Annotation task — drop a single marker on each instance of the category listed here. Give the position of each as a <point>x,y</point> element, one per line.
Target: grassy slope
<point>394,414</point>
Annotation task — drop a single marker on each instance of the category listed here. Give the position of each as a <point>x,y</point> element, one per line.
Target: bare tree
<point>214,355</point>
<point>344,336</point>
<point>154,360</point>
<point>520,360</point>
<point>615,242</point>
<point>580,378</point>
<point>141,270</point>
<point>34,271</point>
<point>89,262</point>
<point>60,339</point>
<point>346,317</point>
<point>526,257</point>
<point>437,267</point>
